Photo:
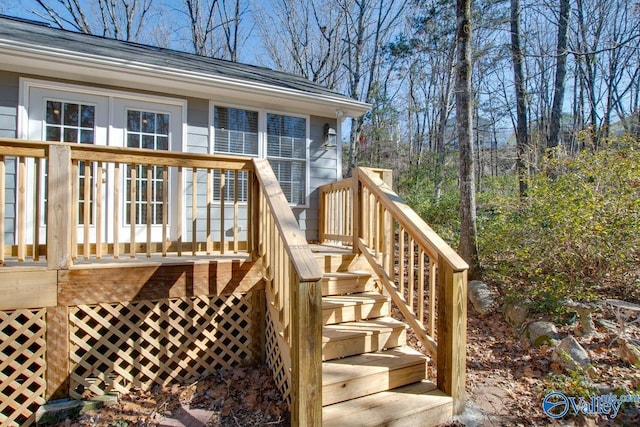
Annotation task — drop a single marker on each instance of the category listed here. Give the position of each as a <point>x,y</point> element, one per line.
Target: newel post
<point>355,204</point>
<point>59,207</point>
<point>452,333</point>
<point>306,353</point>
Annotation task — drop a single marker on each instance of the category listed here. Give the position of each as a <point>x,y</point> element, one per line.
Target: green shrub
<point>573,234</point>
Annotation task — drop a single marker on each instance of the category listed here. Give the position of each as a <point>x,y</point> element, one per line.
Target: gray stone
<point>481,297</point>
<point>58,411</point>
<point>571,355</point>
<point>516,313</point>
<point>540,333</point>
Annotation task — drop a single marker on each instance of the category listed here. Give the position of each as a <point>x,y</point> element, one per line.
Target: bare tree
<point>522,127</point>
<point>555,127</point>
<point>119,19</point>
<point>468,247</point>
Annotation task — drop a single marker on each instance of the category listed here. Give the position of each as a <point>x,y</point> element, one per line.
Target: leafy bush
<point>575,232</point>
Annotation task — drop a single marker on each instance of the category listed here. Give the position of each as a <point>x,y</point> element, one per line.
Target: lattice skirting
<point>277,357</point>
<point>22,365</point>
<point>115,347</point>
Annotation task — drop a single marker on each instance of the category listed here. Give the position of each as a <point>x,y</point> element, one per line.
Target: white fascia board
<point>57,63</point>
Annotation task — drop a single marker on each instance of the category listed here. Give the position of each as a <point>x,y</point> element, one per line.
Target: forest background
<point>555,108</point>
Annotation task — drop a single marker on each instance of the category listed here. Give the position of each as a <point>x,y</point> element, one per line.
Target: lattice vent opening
<point>22,365</point>
<point>115,347</point>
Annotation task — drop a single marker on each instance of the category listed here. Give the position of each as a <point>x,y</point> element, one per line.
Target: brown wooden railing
<point>77,173</point>
<point>293,292</point>
<point>424,276</point>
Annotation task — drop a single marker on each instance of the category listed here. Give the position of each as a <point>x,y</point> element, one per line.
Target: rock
<point>516,313</point>
<point>571,355</point>
<point>482,299</point>
<point>629,352</point>
<point>584,311</point>
<point>540,333</point>
<point>58,411</point>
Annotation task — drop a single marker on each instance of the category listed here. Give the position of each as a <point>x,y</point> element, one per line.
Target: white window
<point>287,154</point>
<point>235,131</point>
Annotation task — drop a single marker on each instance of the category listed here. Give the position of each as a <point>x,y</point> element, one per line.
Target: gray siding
<point>8,129</point>
<point>197,126</point>
<point>322,170</point>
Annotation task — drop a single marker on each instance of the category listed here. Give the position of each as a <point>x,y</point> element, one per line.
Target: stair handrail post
<point>59,207</point>
<point>355,205</point>
<point>452,333</point>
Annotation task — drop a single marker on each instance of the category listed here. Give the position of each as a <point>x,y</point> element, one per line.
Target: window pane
<point>53,133</point>
<point>133,141</point>
<point>287,153</point>
<point>163,143</point>
<point>133,121</point>
<point>70,135</point>
<point>86,136</point>
<point>235,131</point>
<point>148,122</point>
<point>70,114</point>
<point>163,124</point>
<point>148,141</point>
<point>88,116</point>
<point>53,113</point>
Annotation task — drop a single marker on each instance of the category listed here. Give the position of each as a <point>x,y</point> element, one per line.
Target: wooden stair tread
<point>346,282</point>
<point>356,376</point>
<point>348,330</point>
<point>351,338</point>
<point>417,404</point>
<point>354,307</point>
<point>353,299</point>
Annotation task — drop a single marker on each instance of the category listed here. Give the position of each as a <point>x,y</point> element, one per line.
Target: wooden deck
<point>133,308</point>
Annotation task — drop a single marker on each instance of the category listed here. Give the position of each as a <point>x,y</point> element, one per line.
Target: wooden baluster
<point>390,250</point>
<point>194,210</point>
<point>86,214</point>
<point>180,210</point>
<point>209,205</point>
<point>98,205</point>
<point>75,208</point>
<point>22,208</point>
<point>3,170</point>
<point>411,274</point>
<point>149,218</point>
<point>223,188</point>
<point>37,208</point>
<point>235,212</point>
<point>401,253</point>
<point>116,210</point>
<point>165,209</point>
<point>132,211</point>
<point>322,213</point>
<point>421,273</point>
<point>433,278</point>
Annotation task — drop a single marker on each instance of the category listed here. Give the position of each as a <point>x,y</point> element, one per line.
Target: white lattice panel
<point>22,365</point>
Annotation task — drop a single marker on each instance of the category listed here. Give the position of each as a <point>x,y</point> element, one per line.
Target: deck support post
<point>59,208</point>
<point>306,353</point>
<point>452,333</point>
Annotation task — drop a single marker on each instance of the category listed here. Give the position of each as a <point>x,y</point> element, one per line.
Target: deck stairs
<point>370,377</point>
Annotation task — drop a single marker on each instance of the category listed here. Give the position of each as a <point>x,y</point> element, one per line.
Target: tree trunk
<point>555,133</point>
<point>468,230</point>
<point>522,131</point>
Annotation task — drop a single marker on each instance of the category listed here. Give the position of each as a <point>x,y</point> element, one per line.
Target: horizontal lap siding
<point>8,129</point>
<point>323,170</point>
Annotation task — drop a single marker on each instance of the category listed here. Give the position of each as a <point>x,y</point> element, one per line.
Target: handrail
<point>409,219</point>
<point>294,298</point>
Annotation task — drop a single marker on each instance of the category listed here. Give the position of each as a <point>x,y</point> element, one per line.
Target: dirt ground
<point>506,382</point>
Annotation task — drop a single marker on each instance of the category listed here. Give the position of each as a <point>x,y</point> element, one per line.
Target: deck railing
<point>424,276</point>
<point>294,304</point>
<point>79,200</point>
